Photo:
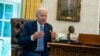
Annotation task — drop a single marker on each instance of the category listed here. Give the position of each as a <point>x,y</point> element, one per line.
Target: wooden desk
<point>61,49</point>
<point>93,39</point>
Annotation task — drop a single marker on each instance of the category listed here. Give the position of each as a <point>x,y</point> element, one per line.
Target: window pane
<point>0,27</point>
<point>6,47</point>
<point>8,11</point>
<point>1,10</point>
<point>7,29</point>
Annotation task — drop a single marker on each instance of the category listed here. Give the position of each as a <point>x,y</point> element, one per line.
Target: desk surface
<point>72,45</point>
<point>64,49</point>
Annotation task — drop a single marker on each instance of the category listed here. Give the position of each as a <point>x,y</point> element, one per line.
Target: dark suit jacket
<point>25,38</point>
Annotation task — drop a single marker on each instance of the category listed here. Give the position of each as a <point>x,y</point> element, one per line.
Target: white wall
<point>99,16</point>
<point>88,17</point>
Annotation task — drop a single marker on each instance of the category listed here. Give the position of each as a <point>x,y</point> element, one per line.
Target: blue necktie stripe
<point>41,40</point>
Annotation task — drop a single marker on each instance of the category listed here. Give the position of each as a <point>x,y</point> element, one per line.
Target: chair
<point>16,29</point>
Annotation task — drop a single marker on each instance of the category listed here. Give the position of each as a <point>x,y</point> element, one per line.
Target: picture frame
<point>68,10</point>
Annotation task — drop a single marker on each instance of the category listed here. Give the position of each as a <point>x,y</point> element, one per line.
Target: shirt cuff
<point>32,38</point>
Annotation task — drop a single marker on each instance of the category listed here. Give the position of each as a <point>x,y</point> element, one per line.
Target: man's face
<point>42,16</point>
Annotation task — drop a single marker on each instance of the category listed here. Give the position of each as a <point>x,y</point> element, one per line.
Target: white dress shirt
<point>38,27</point>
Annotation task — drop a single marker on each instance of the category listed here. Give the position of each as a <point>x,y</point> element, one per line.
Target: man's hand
<point>38,34</point>
<point>53,34</point>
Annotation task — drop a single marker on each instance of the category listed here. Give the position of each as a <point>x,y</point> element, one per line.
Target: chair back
<point>16,28</point>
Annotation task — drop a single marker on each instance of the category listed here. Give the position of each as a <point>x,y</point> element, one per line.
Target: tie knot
<point>41,28</point>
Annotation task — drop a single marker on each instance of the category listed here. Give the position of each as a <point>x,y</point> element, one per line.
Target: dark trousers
<point>35,54</point>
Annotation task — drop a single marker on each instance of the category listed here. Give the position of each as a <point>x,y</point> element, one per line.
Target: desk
<point>61,49</point>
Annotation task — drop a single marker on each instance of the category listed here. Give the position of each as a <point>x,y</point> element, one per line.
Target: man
<point>32,34</point>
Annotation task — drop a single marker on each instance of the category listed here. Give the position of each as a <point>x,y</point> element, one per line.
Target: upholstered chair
<point>16,29</point>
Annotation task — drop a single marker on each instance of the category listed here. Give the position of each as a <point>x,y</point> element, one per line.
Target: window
<point>8,9</point>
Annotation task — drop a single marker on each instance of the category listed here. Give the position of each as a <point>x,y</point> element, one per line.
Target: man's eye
<point>43,15</point>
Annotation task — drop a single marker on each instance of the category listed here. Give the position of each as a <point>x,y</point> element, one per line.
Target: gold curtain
<point>29,8</point>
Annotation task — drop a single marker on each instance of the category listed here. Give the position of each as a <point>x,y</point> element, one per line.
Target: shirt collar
<point>39,24</point>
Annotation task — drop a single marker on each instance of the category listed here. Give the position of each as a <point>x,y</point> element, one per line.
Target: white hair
<point>39,9</point>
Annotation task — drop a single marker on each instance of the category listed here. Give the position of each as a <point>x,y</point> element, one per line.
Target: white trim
<point>11,1</point>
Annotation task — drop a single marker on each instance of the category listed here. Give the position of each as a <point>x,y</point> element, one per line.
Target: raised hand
<point>53,34</point>
<point>38,34</point>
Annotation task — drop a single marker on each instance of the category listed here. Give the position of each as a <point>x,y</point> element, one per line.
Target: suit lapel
<point>45,28</point>
<point>45,32</point>
<point>34,26</point>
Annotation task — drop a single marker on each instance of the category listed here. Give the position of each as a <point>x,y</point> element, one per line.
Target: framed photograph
<point>68,10</point>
